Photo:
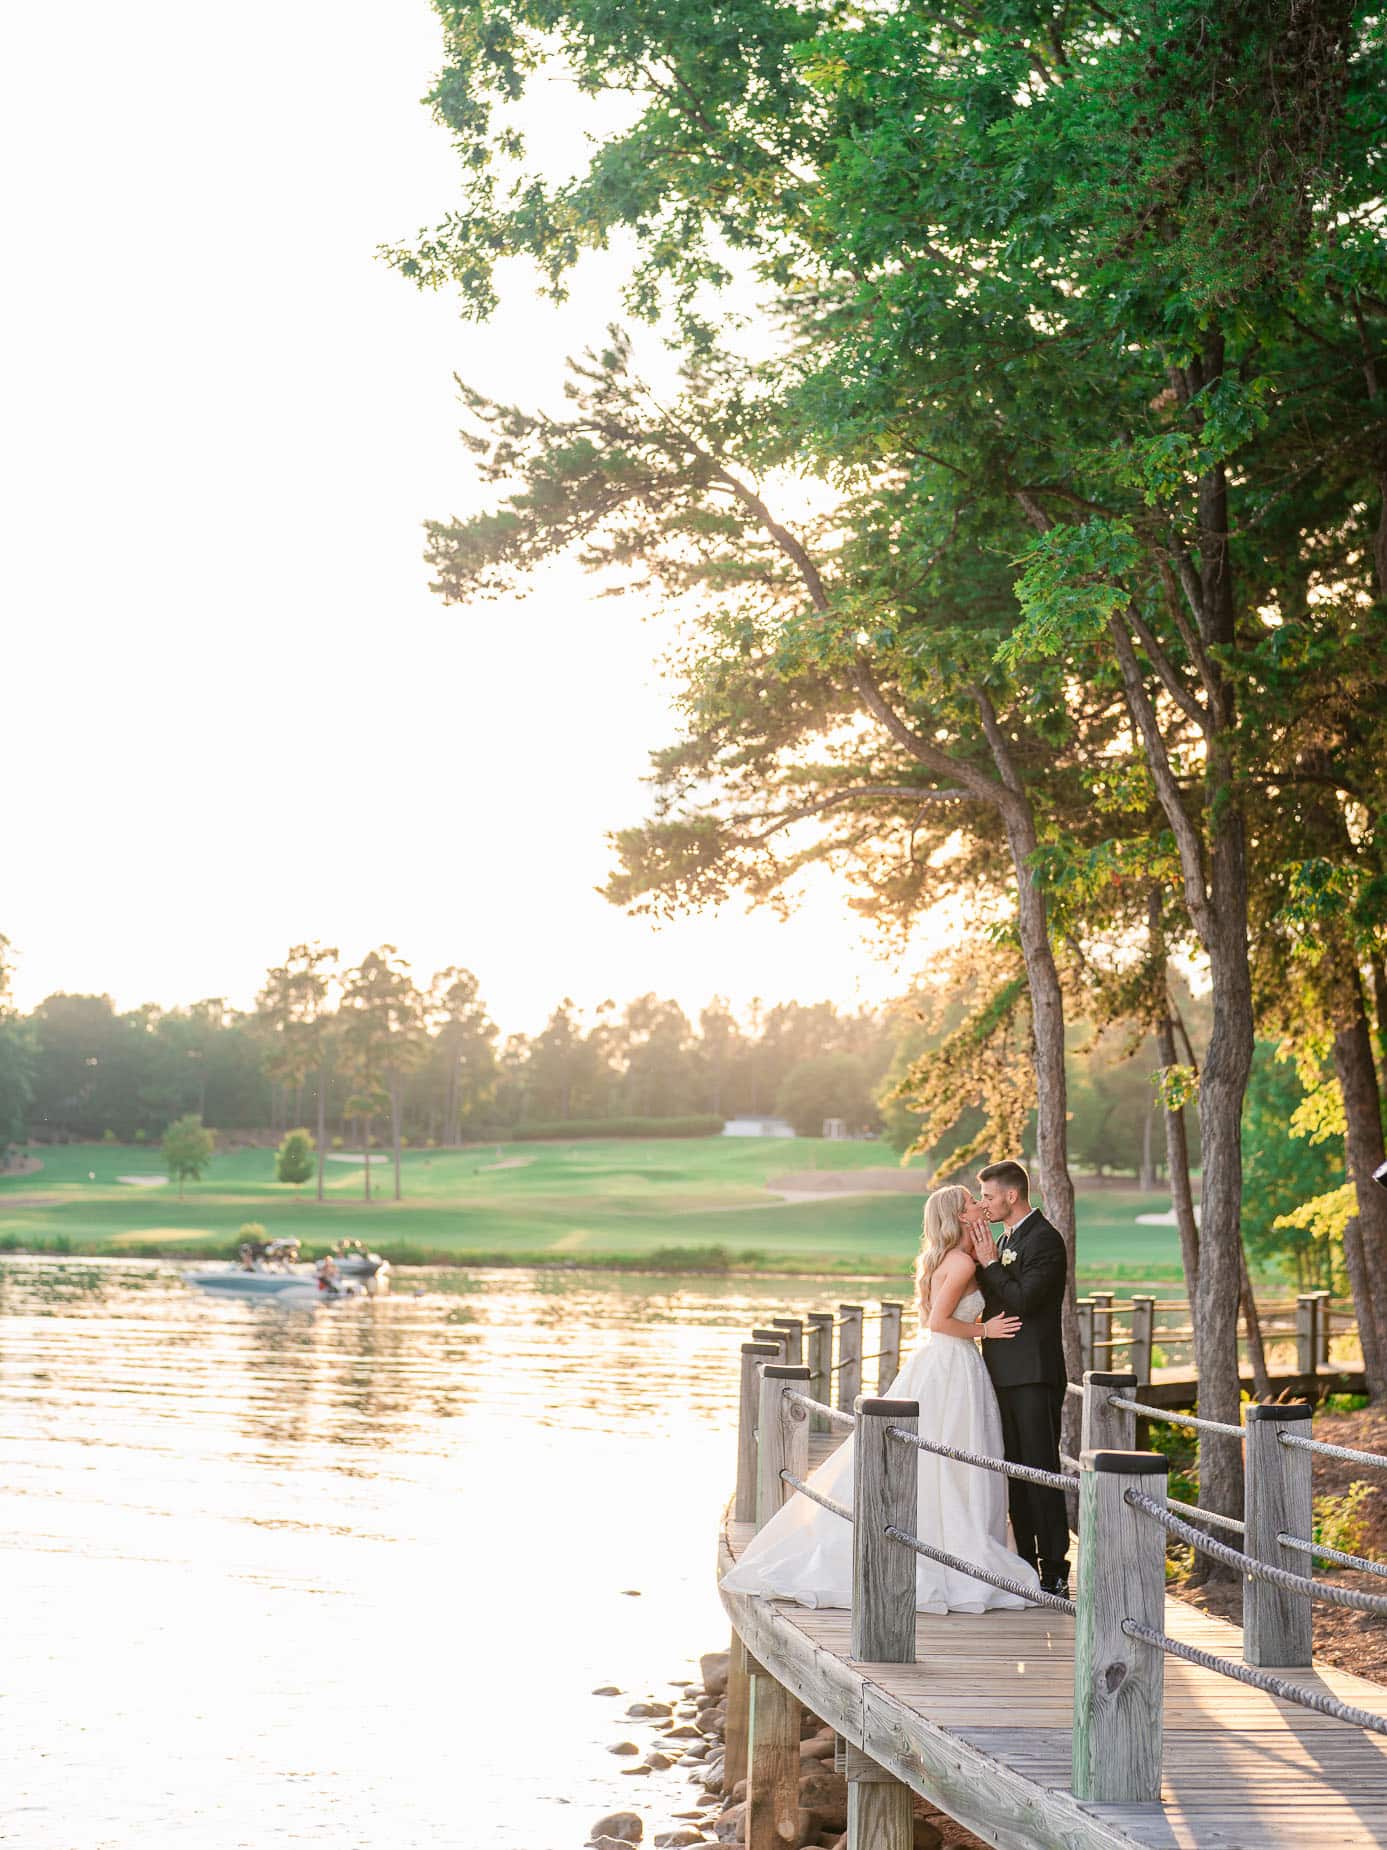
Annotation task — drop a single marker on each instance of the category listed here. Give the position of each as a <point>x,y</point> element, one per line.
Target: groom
<point>1023,1272</point>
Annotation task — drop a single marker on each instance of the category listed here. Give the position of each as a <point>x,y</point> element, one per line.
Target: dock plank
<point>1242,1770</point>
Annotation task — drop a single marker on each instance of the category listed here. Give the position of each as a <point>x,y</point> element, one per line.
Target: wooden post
<point>1323,1327</point>
<point>772,1779</point>
<point>1119,1682</point>
<point>1143,1323</point>
<point>1102,1329</point>
<point>1306,1339</point>
<point>885,1493</point>
<point>776,1337</point>
<point>753,1355</point>
<point>1105,1428</point>
<point>1276,1624</point>
<point>885,1490</point>
<point>880,1814</point>
<point>794,1337</point>
<point>1084,1307</point>
<point>890,1365</point>
<point>849,1356</point>
<point>818,1353</point>
<point>737,1723</point>
<point>782,1437</point>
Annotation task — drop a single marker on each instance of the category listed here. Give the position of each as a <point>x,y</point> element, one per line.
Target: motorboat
<point>270,1270</point>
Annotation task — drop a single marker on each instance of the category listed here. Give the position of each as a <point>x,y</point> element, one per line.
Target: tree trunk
<point>1256,1348</point>
<point>1379,975</point>
<point>1146,1180</point>
<point>322,1124</point>
<point>1221,1089</point>
<point>1177,1158</point>
<point>1052,1108</point>
<point>366,1154</point>
<point>396,1106</point>
<point>1357,1076</point>
<point>1358,1284</point>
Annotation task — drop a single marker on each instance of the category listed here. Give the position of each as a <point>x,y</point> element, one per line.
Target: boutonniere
<point>1008,1257</point>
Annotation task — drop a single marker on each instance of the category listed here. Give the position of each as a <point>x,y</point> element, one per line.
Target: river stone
<point>632,1772</point>
<point>624,1747</point>
<point>658,1760</point>
<point>683,1731</point>
<point>678,1840</point>
<point>607,1689</point>
<point>713,1669</point>
<point>825,1793</point>
<point>626,1826</point>
<point>645,1711</point>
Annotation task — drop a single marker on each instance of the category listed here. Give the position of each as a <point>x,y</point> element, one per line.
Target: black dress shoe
<point>1057,1584</point>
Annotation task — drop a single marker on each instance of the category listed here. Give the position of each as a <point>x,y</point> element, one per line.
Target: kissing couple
<point>1001,1400</point>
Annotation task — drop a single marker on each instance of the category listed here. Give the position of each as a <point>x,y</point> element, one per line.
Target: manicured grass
<point>689,1204</point>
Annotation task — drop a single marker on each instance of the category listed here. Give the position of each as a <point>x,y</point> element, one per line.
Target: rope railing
<point>1326,1450</point>
<point>1176,1419</point>
<point>1266,1681</point>
<point>836,1414</point>
<point>1036,1596</point>
<point>1336,1555</point>
<point>816,1496</point>
<point>1028,1474</point>
<point>1213,1516</point>
<point>1254,1569</point>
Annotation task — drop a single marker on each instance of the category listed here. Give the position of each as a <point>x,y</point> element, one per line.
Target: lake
<point>349,1576</point>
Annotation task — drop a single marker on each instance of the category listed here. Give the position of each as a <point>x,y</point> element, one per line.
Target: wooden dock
<point>982,1723</point>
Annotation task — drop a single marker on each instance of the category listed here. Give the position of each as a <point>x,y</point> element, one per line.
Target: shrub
<point>141,1137</point>
<point>294,1158</point>
<point>251,1230</point>
<point>1342,1522</point>
<point>187,1149</point>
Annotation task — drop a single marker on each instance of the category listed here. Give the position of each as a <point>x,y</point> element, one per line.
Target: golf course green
<point>689,1204</point>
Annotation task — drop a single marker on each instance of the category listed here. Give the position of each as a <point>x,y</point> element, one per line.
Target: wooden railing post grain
<point>794,1335</point>
<point>1105,1428</point>
<point>753,1355</point>
<point>1084,1308</point>
<point>776,1337</point>
<point>772,1810</point>
<point>1119,1681</point>
<point>1322,1327</point>
<point>1143,1323</point>
<point>818,1353</point>
<point>736,1728</point>
<point>772,1779</point>
<point>782,1436</point>
<point>1277,1499</point>
<point>884,1492</point>
<point>890,1364</point>
<point>1306,1333</point>
<point>849,1356</point>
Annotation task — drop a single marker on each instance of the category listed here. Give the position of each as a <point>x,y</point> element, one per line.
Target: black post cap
<point>1126,1464</point>
<point>785,1371</point>
<point>760,1348</point>
<point>888,1409</point>
<point>1282,1410</point>
<point>1100,1380</point>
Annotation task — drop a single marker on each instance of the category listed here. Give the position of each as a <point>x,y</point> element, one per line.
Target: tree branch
<point>977,783</point>
<point>1165,668</point>
<point>1187,838</point>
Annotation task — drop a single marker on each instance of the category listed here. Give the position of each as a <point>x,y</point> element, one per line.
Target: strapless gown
<point>804,1553</point>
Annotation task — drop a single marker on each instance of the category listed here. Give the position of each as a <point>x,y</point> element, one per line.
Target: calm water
<point>348,1577</point>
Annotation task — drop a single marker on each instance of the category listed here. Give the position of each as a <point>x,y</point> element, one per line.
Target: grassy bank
<point>680,1205</point>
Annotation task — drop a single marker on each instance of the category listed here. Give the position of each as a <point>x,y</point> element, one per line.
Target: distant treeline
<point>384,1053</point>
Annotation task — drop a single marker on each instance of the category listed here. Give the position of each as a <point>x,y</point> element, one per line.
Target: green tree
<point>187,1149</point>
<point>294,1158</point>
<point>831,1085</point>
<point>16,1064</point>
<point>383,1033</point>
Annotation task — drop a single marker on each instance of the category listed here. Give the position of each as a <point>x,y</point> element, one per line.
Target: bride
<point>804,1553</point>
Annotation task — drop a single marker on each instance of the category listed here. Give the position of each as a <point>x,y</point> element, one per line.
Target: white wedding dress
<point>804,1553</point>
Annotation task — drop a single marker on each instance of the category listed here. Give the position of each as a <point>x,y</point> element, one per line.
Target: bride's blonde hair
<point>943,1231</point>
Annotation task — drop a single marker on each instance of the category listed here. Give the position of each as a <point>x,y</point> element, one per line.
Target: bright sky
<point>234,715</point>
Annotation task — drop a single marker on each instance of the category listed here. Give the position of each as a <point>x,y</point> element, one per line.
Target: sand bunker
<point>355,1156</point>
<point>144,1181</point>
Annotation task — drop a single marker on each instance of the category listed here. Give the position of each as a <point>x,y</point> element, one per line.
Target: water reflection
<point>347,1577</point>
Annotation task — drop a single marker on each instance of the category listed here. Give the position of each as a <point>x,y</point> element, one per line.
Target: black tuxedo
<point>1028,1373</point>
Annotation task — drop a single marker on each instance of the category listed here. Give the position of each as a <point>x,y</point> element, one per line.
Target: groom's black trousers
<point>1031,1436</point>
